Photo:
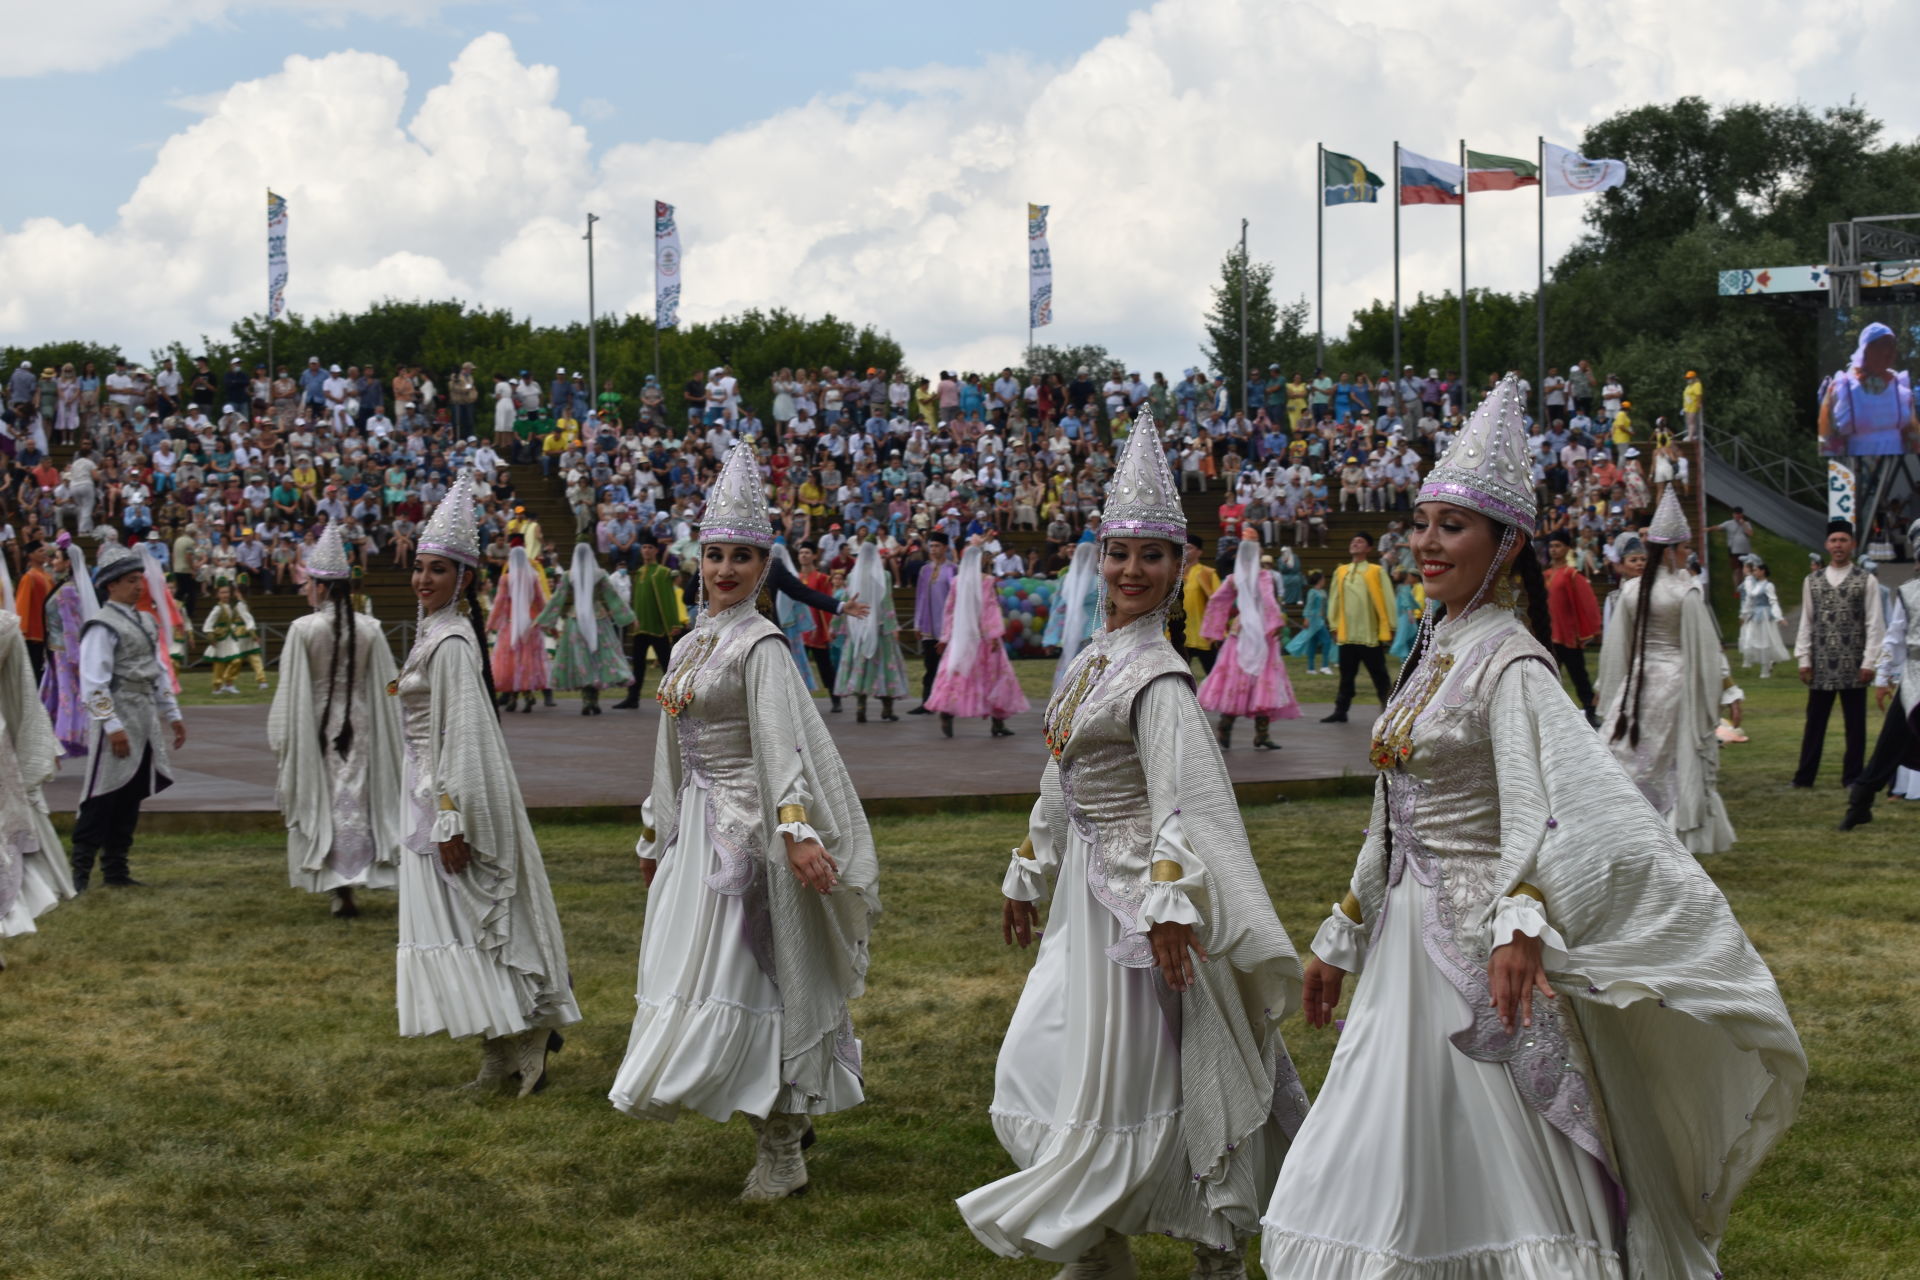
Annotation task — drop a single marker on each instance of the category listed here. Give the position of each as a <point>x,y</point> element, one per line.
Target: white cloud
<point>902,202</point>
<point>87,35</point>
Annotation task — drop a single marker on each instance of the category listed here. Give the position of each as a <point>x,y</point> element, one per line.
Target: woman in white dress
<point>762,881</point>
<point>336,736</point>
<point>1143,1086</point>
<point>480,947</point>
<point>34,877</point>
<point>1760,642</point>
<point>1660,688</point>
<point>1557,1014</point>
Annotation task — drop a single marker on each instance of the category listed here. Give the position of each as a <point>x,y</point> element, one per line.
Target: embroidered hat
<point>328,559</point>
<point>1669,521</point>
<point>737,506</point>
<point>452,531</point>
<point>1486,469</point>
<point>1143,501</point>
<point>115,561</point>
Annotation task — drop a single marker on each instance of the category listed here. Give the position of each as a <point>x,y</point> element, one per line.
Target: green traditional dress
<point>575,665</point>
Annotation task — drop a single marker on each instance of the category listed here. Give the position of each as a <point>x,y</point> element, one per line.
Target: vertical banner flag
<point>1427,181</point>
<point>1488,172</point>
<point>1840,491</point>
<point>1571,174</point>
<point>1039,268</point>
<point>276,255</point>
<point>1344,180</point>
<point>666,267</point>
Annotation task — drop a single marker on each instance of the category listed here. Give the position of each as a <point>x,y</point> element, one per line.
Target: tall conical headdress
<point>737,506</point>
<point>1669,521</point>
<point>1487,469</point>
<point>453,532</point>
<point>328,559</point>
<point>1142,499</point>
<point>115,561</point>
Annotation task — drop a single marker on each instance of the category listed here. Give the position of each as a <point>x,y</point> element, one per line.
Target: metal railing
<point>1791,477</point>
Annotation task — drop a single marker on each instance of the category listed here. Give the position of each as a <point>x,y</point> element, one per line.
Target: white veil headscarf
<point>82,582</point>
<point>1251,606</point>
<point>519,593</point>
<point>586,576</point>
<point>1073,608</point>
<point>868,585</point>
<point>157,588</point>
<point>966,611</point>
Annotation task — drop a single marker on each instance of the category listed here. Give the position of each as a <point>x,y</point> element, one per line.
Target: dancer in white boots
<point>1563,1057</point>
<point>336,735</point>
<point>761,876</point>
<point>480,946</point>
<point>1143,1086</point>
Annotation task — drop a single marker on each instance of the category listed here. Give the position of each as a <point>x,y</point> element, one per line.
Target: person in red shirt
<point>818,639</point>
<point>30,602</point>
<point>1575,614</point>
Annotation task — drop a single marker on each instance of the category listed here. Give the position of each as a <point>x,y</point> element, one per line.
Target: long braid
<point>1628,723</point>
<point>1533,581</point>
<point>480,635</point>
<point>343,622</point>
<point>333,670</point>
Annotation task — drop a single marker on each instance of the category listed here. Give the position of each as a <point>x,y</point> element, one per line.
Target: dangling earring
<point>1506,592</point>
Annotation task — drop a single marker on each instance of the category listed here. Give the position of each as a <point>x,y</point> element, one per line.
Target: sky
<point>870,160</point>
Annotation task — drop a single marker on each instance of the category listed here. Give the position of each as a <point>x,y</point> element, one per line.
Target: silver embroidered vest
<point>1444,816</point>
<point>136,672</point>
<point>1102,782</point>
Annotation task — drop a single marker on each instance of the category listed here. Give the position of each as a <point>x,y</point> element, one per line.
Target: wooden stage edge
<point>200,822</point>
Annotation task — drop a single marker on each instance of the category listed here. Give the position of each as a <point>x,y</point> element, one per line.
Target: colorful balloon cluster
<point>1026,604</point>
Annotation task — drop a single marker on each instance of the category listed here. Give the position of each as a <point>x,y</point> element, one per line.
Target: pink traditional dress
<point>1247,679</point>
<point>976,677</point>
<point>519,647</point>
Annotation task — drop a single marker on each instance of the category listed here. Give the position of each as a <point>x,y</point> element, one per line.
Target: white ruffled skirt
<point>446,981</point>
<point>1419,1163</point>
<point>707,1032</point>
<point>45,882</point>
<point>1086,1098</point>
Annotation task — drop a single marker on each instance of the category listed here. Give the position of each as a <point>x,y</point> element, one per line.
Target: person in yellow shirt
<point>1362,624</point>
<point>1297,392</point>
<point>1623,425</point>
<point>1691,397</point>
<point>1201,580</point>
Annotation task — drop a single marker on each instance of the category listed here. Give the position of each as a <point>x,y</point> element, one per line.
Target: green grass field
<point>202,1079</point>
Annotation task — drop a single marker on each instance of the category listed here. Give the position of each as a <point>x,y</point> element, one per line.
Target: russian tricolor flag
<point>1427,181</point>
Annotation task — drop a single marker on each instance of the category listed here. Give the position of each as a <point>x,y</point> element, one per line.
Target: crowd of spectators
<point>234,471</point>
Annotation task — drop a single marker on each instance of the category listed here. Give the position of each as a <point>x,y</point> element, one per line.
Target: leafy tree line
<point>440,336</point>
<point>1709,189</point>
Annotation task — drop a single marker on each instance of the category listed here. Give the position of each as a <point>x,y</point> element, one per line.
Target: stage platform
<point>598,768</point>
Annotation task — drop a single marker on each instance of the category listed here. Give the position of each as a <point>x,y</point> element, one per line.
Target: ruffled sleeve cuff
<point>800,832</point>
<point>1342,941</point>
<point>1174,874</point>
<point>1520,914</point>
<point>647,846</point>
<point>447,824</point>
<point>1024,881</point>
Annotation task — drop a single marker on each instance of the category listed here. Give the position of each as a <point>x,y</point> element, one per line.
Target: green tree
<point>1276,334</point>
<point>1064,361</point>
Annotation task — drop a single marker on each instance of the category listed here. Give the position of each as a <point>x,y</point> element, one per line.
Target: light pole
<point>1243,318</point>
<point>593,353</point>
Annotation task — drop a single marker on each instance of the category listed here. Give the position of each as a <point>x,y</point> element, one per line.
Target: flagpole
<point>1319,257</point>
<point>1397,370</point>
<point>1465,182</point>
